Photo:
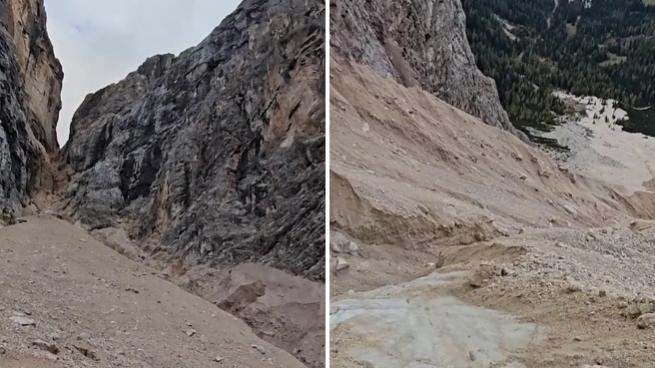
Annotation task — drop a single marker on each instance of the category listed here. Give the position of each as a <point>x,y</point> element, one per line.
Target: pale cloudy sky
<point>100,41</point>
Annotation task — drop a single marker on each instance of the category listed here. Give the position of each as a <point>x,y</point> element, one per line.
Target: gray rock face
<point>418,43</point>
<point>218,153</point>
<point>30,86</point>
<point>41,72</point>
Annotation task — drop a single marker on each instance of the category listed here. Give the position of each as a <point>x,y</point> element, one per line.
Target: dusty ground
<point>421,190</point>
<point>285,310</point>
<point>96,308</point>
<point>569,297</point>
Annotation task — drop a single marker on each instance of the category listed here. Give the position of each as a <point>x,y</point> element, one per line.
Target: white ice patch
<point>409,325</point>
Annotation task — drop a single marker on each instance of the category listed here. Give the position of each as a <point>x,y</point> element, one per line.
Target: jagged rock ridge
<point>218,153</point>
<point>30,86</point>
<point>418,43</point>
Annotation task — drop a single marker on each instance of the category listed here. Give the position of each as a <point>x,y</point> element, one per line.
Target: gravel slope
<point>84,298</point>
<point>420,187</point>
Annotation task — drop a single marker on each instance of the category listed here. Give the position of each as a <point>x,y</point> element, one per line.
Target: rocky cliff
<point>30,86</point>
<point>418,43</point>
<point>216,154</point>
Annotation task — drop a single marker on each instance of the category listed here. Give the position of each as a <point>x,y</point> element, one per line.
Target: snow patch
<point>600,148</point>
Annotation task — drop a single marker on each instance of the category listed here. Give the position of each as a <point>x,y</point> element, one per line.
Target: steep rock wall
<point>40,70</point>
<point>30,86</point>
<point>216,154</point>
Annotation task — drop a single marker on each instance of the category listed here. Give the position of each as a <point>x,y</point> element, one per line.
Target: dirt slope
<point>102,310</point>
<point>421,188</point>
<point>422,170</point>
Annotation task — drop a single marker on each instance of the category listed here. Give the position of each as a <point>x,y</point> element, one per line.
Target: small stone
<point>52,348</point>
<point>646,321</point>
<point>47,355</point>
<point>338,242</point>
<point>475,282</point>
<point>440,262</point>
<point>23,321</point>
<point>86,352</point>
<point>341,265</point>
<point>218,359</point>
<point>353,248</point>
<point>190,332</point>
<point>646,307</point>
<point>259,349</point>
<point>573,287</point>
<point>632,311</point>
<point>570,209</point>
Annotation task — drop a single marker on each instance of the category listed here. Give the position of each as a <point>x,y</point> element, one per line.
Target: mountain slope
<point>30,83</point>
<point>428,204</point>
<point>99,309</point>
<point>414,171</point>
<point>440,222</point>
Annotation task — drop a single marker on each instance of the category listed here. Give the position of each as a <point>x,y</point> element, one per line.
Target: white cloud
<point>99,42</point>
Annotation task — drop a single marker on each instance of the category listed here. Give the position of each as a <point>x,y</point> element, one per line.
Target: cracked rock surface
<point>30,85</point>
<point>418,43</point>
<point>216,154</point>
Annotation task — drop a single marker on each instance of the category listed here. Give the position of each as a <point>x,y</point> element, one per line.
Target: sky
<point>99,42</point>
